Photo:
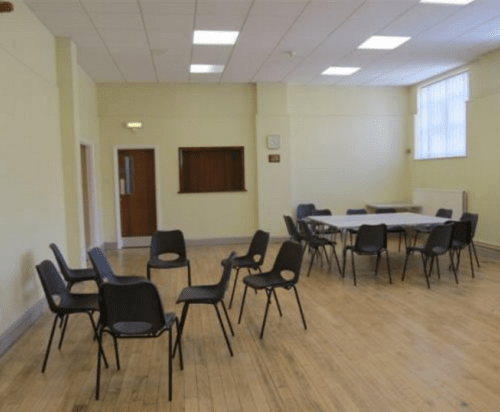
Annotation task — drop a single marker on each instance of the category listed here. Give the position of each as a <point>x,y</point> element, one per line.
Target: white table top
<point>390,219</point>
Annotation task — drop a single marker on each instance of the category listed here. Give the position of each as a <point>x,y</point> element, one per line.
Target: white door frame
<point>118,221</point>
<point>95,234</point>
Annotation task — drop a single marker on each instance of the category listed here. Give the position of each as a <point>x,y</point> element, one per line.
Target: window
<point>441,118</point>
<point>211,169</point>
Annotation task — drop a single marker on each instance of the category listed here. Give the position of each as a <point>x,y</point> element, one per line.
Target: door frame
<point>118,221</point>
<point>94,218</point>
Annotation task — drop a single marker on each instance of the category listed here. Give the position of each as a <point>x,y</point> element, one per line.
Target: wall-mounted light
<point>133,125</point>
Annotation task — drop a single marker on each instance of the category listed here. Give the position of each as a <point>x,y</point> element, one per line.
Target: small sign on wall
<point>274,158</point>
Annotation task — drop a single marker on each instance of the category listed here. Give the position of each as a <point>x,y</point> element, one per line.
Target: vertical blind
<point>441,118</point>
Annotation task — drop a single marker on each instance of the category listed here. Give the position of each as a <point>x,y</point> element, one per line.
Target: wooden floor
<point>374,347</point>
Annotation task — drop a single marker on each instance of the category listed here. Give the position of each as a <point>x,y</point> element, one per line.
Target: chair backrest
<point>304,210</point>
<point>292,229</point>
<point>371,238</point>
<point>462,232</point>
<point>61,262</point>
<point>385,210</point>
<point>307,231</point>
<point>473,218</point>
<point>226,276</point>
<point>440,238</point>
<point>258,246</point>
<point>168,241</point>
<point>101,265</point>
<point>289,258</point>
<point>131,308</point>
<point>446,213</point>
<point>322,212</point>
<point>356,212</point>
<point>52,284</point>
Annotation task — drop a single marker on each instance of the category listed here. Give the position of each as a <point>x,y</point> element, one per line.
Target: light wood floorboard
<point>374,347</point>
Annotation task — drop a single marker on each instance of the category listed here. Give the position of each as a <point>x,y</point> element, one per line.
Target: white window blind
<point>441,118</point>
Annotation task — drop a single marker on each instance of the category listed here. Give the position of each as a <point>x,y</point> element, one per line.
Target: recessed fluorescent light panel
<point>206,68</point>
<point>215,37</point>
<point>455,2</point>
<point>384,42</point>
<point>340,71</point>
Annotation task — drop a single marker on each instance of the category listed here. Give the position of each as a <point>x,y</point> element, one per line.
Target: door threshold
<point>136,241</point>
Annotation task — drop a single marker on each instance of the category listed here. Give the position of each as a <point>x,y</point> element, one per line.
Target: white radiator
<point>433,199</point>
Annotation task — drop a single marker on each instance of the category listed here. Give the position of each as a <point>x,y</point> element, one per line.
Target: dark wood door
<point>137,192</point>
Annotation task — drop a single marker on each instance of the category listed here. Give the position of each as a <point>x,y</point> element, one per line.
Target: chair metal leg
<point>117,354</point>
<point>189,273</point>
<point>181,327</point>
<point>470,258</point>
<point>475,253</point>
<point>300,307</point>
<point>312,261</point>
<point>63,332</point>
<point>425,273</point>
<point>49,344</point>
<point>404,267</point>
<point>437,265</point>
<point>242,303</point>
<point>149,272</point>
<point>353,269</point>
<point>454,270</point>
<point>334,253</point>
<point>227,317</point>
<point>277,302</point>
<point>415,239</point>
<point>170,364</point>
<point>223,329</point>
<point>234,287</point>
<point>98,369</point>
<point>95,329</point>
<point>376,264</point>
<point>181,360</point>
<point>268,292</point>
<point>344,256</point>
<point>388,266</point>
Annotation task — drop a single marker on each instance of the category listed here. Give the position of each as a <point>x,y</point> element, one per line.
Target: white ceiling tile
<point>117,20</point>
<point>210,54</point>
<point>185,7</point>
<point>121,40</point>
<point>223,8</point>
<point>61,20</point>
<point>169,23</point>
<point>111,7</point>
<point>210,22</point>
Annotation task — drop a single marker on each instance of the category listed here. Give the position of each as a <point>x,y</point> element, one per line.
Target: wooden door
<point>137,192</point>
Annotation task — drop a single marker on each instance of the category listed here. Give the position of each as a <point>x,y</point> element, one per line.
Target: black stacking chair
<point>305,210</point>
<point>426,229</point>
<point>134,310</point>
<point>371,240</point>
<point>354,212</point>
<point>104,272</point>
<point>253,259</point>
<point>294,233</point>
<point>71,276</point>
<point>473,218</point>
<point>461,239</point>
<point>171,241</point>
<point>324,230</point>
<point>289,259</point>
<point>438,243</point>
<point>315,243</point>
<point>394,228</point>
<point>63,303</point>
<point>208,295</point>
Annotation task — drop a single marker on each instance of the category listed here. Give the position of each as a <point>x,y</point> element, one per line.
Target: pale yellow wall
<point>176,116</point>
<point>32,206</point>
<point>479,172</point>
<point>348,146</point>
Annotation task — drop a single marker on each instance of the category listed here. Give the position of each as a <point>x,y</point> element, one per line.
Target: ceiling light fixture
<point>340,71</point>
<point>384,42</point>
<point>206,68</point>
<point>453,2</point>
<point>215,37</point>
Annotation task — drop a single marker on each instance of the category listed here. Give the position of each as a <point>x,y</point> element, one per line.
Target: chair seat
<point>78,302</point>
<point>200,294</point>
<point>138,329</point>
<point>435,251</point>
<point>167,264</point>
<point>81,275</point>
<point>243,262</point>
<point>365,250</point>
<point>266,280</point>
